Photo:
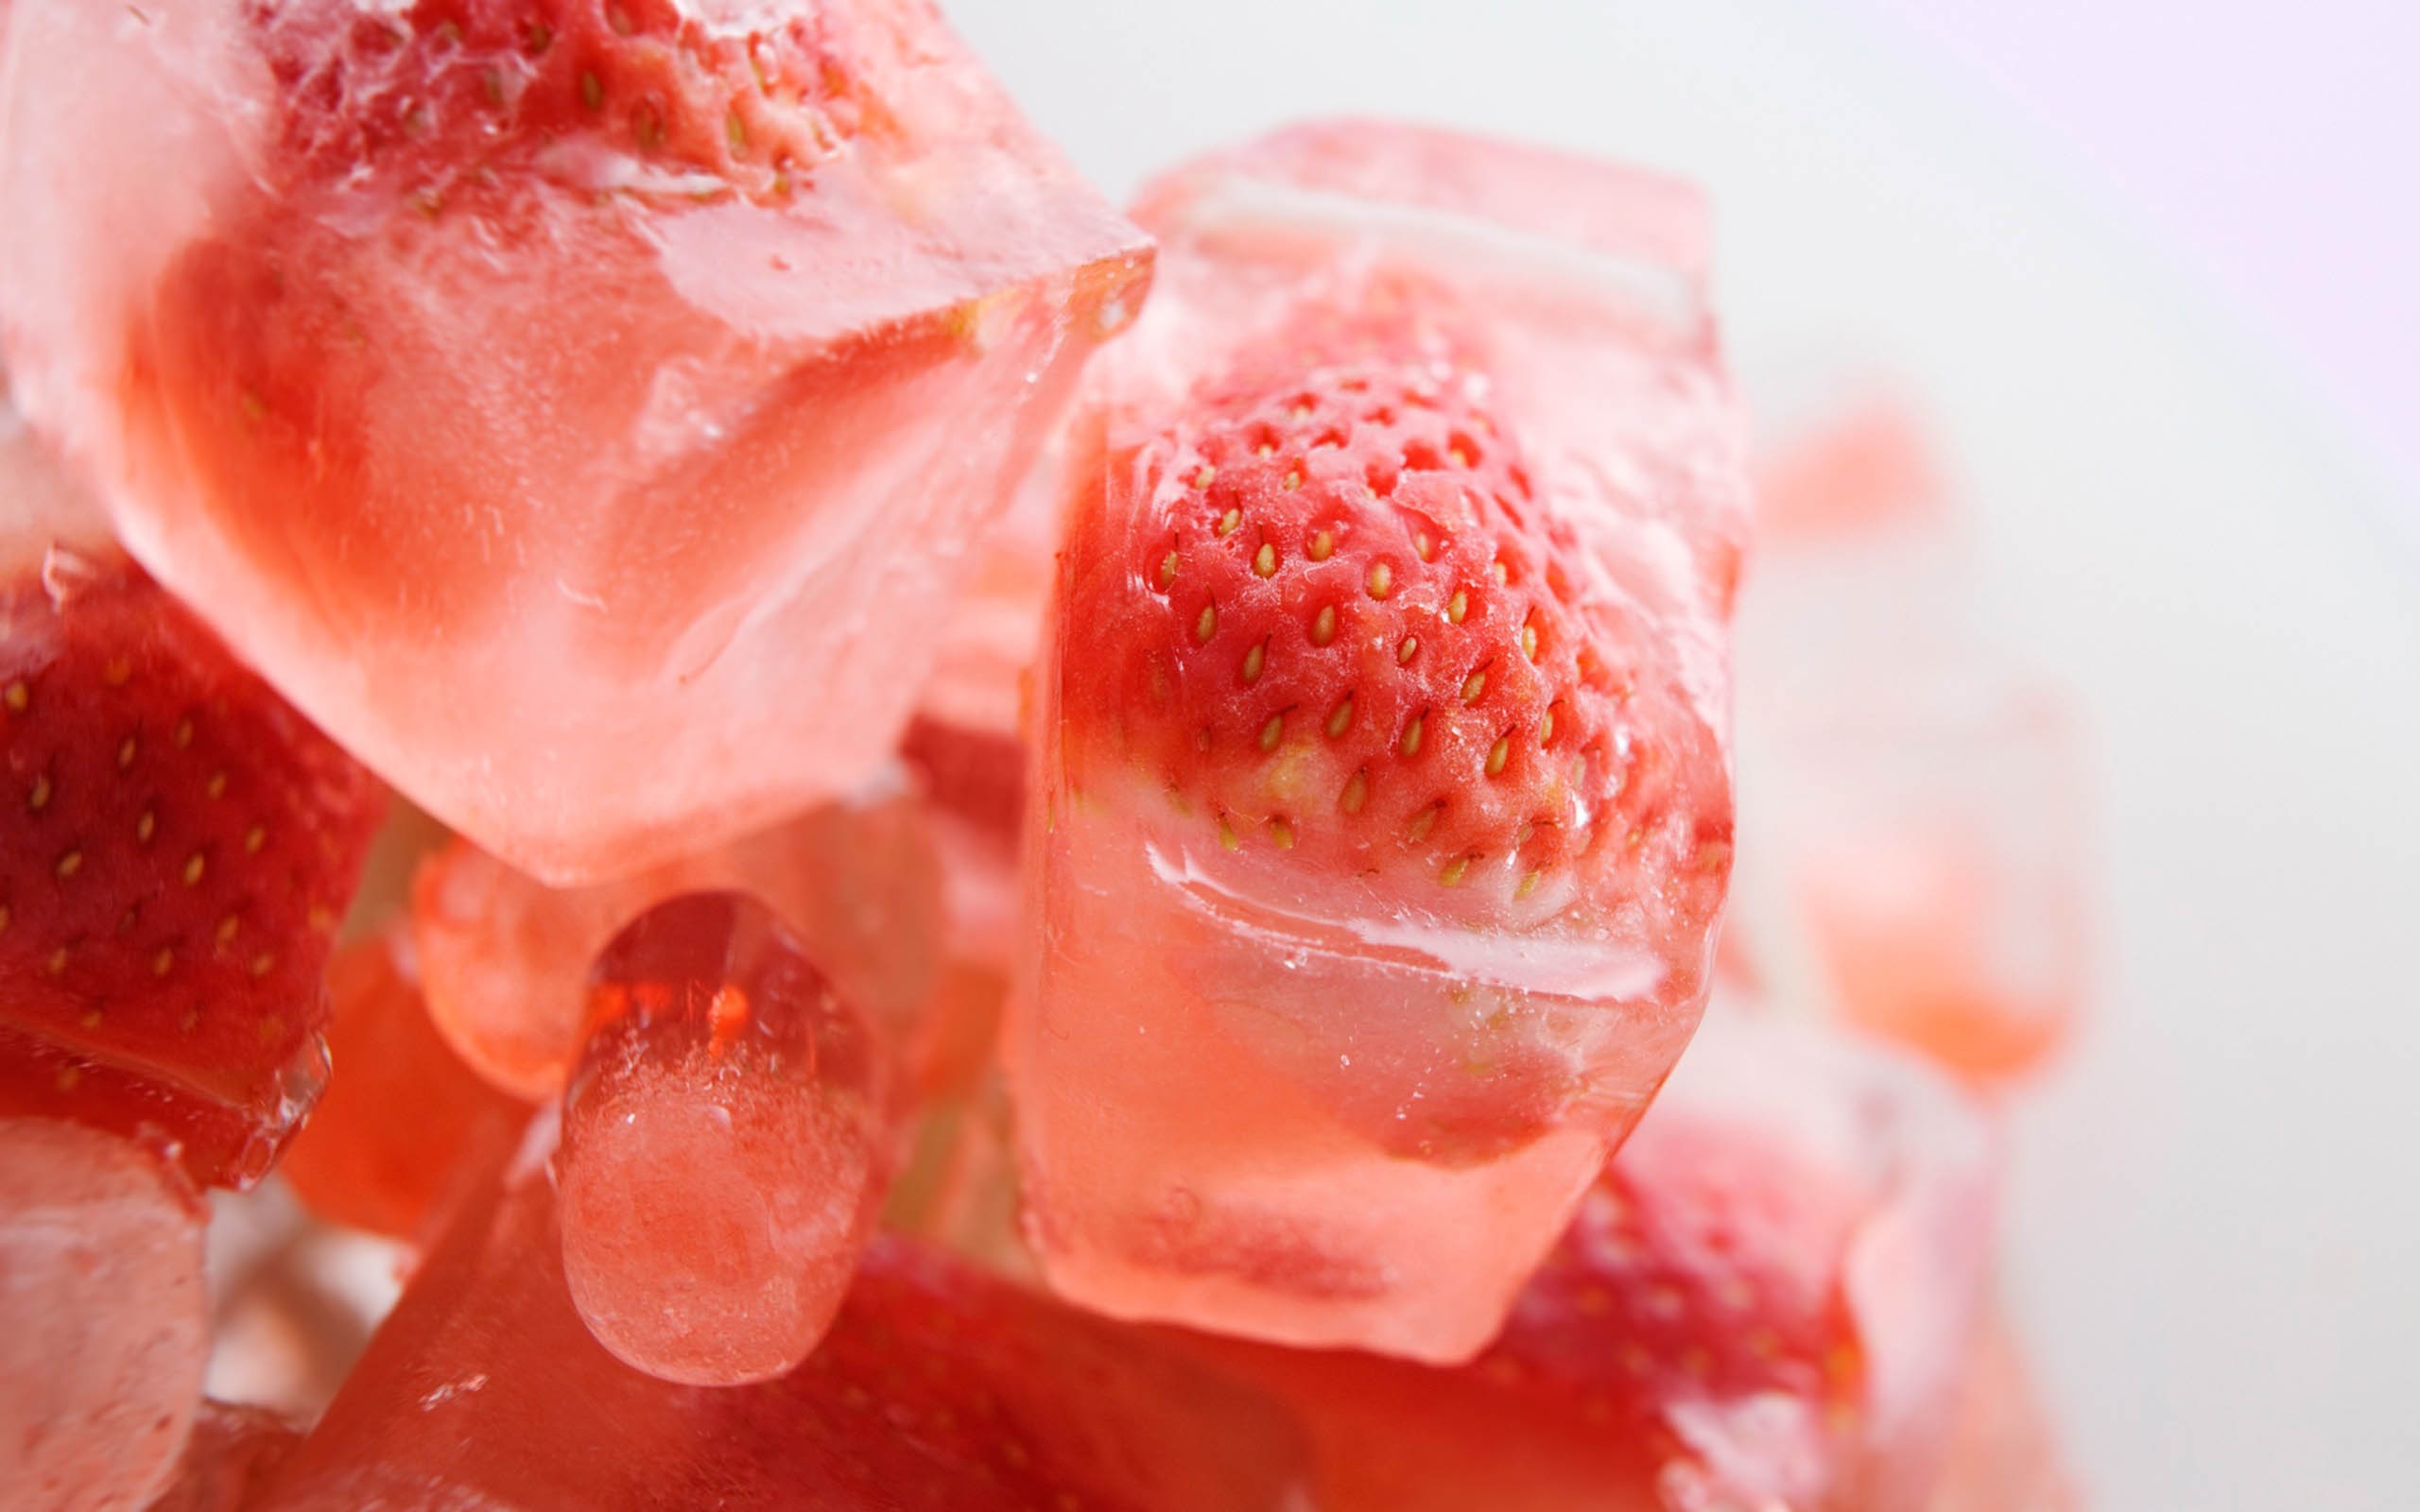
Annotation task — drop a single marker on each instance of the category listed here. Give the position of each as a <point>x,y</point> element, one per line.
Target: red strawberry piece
<point>1344,626</point>
<point>179,848</point>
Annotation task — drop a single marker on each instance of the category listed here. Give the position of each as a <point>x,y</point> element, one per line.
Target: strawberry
<point>938,1387</point>
<point>179,847</point>
<point>439,99</point>
<point>1703,1271</point>
<point>1764,1301</point>
<point>1337,620</point>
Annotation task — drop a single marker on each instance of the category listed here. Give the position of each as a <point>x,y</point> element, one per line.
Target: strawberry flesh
<point>180,847</point>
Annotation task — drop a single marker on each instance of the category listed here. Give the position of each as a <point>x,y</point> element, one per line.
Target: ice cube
<point>228,1458</point>
<point>938,1387</point>
<point>42,503</point>
<point>587,412</point>
<point>388,1136</point>
<point>293,1301</point>
<point>1916,800</point>
<point>1766,1300</point>
<point>970,726</point>
<point>504,959</point>
<point>1934,839</point>
<point>726,1140</point>
<point>2004,1454</point>
<point>1376,843</point>
<point>104,1323</point>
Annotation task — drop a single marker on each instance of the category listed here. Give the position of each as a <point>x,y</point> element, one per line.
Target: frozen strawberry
<point>937,1387</point>
<point>104,1324</point>
<point>585,410</point>
<point>1381,815</point>
<point>180,847</point>
<point>1342,624</point>
<point>1765,1300</point>
<point>389,1135</point>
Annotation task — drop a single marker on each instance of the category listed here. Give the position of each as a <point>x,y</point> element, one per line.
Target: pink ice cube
<point>1348,972</point>
<point>726,1140</point>
<point>504,959</point>
<point>2004,1454</point>
<point>104,1324</point>
<point>1766,1300</point>
<point>586,412</point>
<point>228,1458</point>
<point>938,1387</point>
<point>1916,857</point>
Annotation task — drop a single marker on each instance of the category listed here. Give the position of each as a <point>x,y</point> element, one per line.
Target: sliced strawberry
<point>1341,623</point>
<point>180,845</point>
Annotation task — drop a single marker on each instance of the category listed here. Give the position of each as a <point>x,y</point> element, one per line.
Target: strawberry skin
<point>179,847</point>
<point>1343,625</point>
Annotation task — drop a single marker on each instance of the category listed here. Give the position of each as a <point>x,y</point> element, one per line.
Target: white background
<point>2216,1227</point>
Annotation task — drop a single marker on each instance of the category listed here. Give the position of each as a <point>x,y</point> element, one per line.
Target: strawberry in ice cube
<point>177,849</point>
<point>1934,842</point>
<point>2004,1454</point>
<point>1766,1300</point>
<point>938,1387</point>
<point>585,410</point>
<point>1381,815</point>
